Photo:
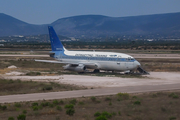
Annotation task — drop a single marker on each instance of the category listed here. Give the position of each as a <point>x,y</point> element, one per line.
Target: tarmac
<point>107,85</point>
<point>86,93</point>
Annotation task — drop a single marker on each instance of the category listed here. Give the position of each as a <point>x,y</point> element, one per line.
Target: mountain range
<point>97,26</point>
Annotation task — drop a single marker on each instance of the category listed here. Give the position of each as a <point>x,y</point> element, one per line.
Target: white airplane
<point>80,61</point>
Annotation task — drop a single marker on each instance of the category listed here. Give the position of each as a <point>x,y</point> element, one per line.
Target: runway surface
<point>86,93</point>
<point>172,56</point>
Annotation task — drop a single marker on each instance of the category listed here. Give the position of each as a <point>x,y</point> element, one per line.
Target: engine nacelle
<point>79,68</point>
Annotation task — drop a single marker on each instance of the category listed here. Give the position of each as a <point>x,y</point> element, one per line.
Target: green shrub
<point>47,88</point>
<point>108,115</point>
<point>134,97</point>
<point>59,108</point>
<point>4,107</point>
<point>45,104</point>
<point>101,117</point>
<point>11,118</point>
<point>51,105</point>
<point>172,118</point>
<point>21,117</point>
<point>38,73</point>
<point>17,105</point>
<point>33,73</point>
<point>61,102</point>
<point>74,101</point>
<point>137,103</point>
<point>24,112</point>
<point>119,112</point>
<point>55,102</point>
<point>113,113</point>
<point>35,108</point>
<point>81,103</point>
<point>110,103</point>
<point>70,112</point>
<point>93,98</point>
<point>175,96</point>
<point>97,114</point>
<point>35,104</point>
<point>154,95</point>
<point>70,106</point>
<point>123,96</point>
<point>107,99</point>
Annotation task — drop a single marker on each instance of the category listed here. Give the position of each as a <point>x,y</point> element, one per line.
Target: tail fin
<point>56,44</point>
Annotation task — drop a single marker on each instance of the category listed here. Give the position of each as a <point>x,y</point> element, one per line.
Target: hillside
<point>13,26</point>
<point>167,25</point>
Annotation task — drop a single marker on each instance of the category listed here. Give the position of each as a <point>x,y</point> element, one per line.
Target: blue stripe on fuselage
<point>60,55</point>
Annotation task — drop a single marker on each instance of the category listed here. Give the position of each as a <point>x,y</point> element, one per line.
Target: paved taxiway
<point>86,93</point>
<point>169,56</point>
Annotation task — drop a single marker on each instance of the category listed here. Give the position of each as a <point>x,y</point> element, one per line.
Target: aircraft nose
<point>137,63</point>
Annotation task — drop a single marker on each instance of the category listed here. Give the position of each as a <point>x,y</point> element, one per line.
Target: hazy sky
<point>47,11</point>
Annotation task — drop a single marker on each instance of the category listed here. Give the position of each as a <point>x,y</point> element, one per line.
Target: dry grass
<point>153,106</point>
<point>160,65</point>
<point>9,87</point>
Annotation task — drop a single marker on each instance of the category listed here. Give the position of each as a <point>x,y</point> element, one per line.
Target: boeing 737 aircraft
<point>80,61</point>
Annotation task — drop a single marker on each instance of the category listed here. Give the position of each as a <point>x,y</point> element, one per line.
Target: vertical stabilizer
<point>56,44</point>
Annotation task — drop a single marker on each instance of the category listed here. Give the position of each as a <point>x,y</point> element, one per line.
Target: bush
<point>163,109</point>
<point>24,112</point>
<point>81,103</point>
<point>119,112</point>
<point>21,117</point>
<point>70,112</point>
<point>55,102</point>
<point>35,104</point>
<point>137,103</point>
<point>134,97</point>
<point>17,105</point>
<point>33,73</point>
<point>4,107</point>
<point>172,118</point>
<point>11,118</point>
<point>47,88</point>
<point>110,103</point>
<point>51,105</point>
<point>61,102</point>
<point>123,96</point>
<point>59,108</point>
<point>173,95</point>
<point>108,115</point>
<point>101,117</point>
<point>45,104</point>
<point>113,113</point>
<point>93,98</point>
<point>154,95</point>
<point>35,108</point>
<point>107,99</point>
<point>70,106</point>
<point>97,114</point>
<point>74,101</point>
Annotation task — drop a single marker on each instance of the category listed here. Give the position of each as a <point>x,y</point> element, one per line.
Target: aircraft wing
<point>88,64</point>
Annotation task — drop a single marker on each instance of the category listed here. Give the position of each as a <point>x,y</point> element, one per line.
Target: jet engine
<point>78,68</point>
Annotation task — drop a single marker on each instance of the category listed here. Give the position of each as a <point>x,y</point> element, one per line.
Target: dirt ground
<point>155,78</point>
